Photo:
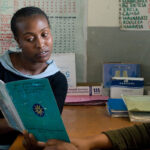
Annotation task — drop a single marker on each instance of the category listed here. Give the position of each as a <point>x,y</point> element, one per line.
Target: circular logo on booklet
<point>39,110</point>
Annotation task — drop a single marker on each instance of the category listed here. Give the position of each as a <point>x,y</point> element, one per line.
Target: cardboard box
<point>126,86</point>
<point>119,70</point>
<point>85,90</point>
<point>66,63</point>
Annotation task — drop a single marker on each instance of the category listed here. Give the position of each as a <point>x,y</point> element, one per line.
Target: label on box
<point>126,86</point>
<point>85,90</point>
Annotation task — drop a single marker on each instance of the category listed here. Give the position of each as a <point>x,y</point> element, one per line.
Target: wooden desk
<point>82,121</point>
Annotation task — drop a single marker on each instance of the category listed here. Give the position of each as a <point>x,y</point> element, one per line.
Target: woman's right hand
<point>30,143</point>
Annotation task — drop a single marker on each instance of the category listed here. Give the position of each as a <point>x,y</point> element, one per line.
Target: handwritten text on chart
<point>134,14</point>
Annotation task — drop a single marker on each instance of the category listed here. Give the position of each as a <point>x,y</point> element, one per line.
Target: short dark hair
<point>26,12</point>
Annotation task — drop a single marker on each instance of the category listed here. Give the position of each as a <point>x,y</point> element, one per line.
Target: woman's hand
<point>30,143</point>
<point>76,144</point>
<point>81,143</point>
<point>100,141</point>
<point>59,145</point>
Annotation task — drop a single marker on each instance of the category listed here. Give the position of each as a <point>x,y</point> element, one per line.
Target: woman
<point>31,30</point>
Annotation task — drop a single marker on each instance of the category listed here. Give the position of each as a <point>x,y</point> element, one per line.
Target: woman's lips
<point>42,54</point>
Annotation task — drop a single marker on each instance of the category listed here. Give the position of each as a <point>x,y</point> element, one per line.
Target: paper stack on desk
<point>138,108</point>
<point>85,95</point>
<point>86,100</point>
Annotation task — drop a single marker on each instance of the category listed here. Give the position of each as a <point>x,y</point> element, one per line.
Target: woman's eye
<point>29,39</point>
<point>45,34</point>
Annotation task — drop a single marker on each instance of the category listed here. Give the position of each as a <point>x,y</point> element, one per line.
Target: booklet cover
<point>31,105</point>
<point>116,107</point>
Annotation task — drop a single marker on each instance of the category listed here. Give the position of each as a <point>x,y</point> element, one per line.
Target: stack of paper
<point>86,100</point>
<point>85,90</point>
<point>117,108</point>
<point>138,107</point>
<point>85,95</point>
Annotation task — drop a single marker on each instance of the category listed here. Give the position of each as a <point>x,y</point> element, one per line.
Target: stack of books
<point>117,108</point>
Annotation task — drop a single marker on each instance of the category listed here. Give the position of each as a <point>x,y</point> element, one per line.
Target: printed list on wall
<point>67,20</point>
<point>134,14</point>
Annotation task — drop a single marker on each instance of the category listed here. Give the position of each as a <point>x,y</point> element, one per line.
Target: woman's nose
<point>39,43</point>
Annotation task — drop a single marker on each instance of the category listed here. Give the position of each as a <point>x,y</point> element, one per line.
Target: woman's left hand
<point>59,145</point>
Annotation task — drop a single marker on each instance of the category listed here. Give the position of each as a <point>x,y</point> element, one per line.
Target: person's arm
<point>93,142</point>
<point>134,137</point>
<point>90,143</point>
<point>59,86</point>
<point>59,145</point>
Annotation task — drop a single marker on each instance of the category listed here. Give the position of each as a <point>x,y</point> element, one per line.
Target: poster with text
<point>134,14</point>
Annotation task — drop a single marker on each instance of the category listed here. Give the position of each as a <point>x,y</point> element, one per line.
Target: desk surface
<point>83,121</point>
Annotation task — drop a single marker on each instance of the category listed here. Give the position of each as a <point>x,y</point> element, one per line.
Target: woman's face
<point>34,38</point>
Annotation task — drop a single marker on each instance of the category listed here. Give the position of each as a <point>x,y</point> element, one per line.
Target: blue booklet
<point>31,105</point>
<point>117,108</point>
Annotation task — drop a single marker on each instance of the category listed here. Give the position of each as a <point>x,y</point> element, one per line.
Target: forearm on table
<point>99,141</point>
<point>134,137</point>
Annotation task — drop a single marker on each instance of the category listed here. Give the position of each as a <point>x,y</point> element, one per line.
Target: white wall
<point>103,13</point>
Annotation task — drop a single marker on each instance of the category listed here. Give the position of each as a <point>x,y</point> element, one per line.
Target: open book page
<point>8,109</point>
<point>37,108</point>
<point>137,103</point>
<point>138,107</point>
<point>139,116</point>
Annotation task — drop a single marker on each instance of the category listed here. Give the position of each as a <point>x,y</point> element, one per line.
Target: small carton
<point>85,90</point>
<point>119,70</point>
<point>126,86</point>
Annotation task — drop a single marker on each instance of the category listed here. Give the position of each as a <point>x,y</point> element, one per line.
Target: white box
<point>66,63</point>
<point>126,86</point>
<point>85,90</point>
